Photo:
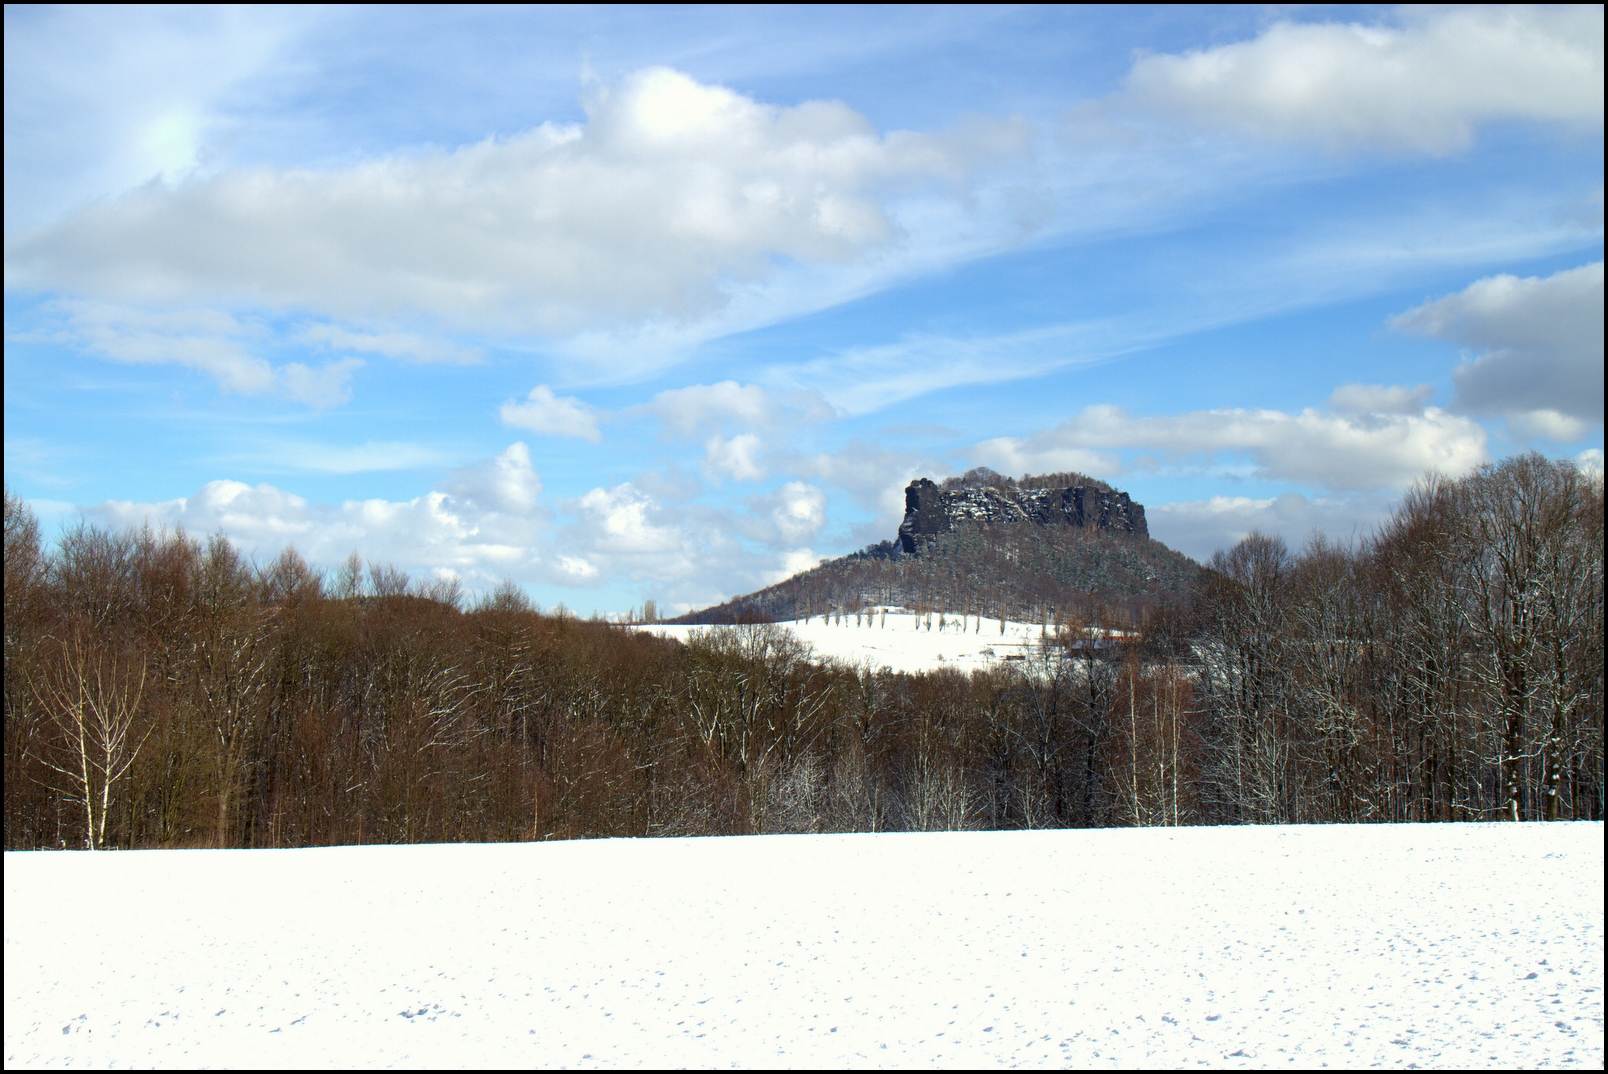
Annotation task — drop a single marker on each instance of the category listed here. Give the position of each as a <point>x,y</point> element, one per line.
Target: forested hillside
<point>162,692</point>
<point>1021,572</point>
<point>1005,549</point>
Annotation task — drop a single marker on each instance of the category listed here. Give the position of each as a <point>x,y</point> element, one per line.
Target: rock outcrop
<point>931,510</point>
<point>1058,540</point>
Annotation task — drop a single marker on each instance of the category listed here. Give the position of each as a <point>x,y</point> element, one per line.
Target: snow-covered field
<point>1450,945</point>
<point>894,641</point>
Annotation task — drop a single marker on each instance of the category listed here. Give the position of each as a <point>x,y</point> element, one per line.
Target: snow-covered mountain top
<point>1467,945</point>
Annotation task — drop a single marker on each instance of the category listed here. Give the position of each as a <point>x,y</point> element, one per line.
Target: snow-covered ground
<point>1449,945</point>
<point>894,640</point>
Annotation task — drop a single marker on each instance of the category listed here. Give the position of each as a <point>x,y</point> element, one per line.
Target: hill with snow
<point>1060,544</point>
<point>901,640</point>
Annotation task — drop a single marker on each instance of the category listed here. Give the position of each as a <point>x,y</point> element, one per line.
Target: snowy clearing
<point>894,641</point>
<point>1430,945</point>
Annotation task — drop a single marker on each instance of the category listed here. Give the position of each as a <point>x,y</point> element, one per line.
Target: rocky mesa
<point>932,509</point>
<point>1047,544</point>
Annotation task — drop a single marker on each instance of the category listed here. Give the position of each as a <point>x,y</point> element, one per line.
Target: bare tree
<point>93,697</point>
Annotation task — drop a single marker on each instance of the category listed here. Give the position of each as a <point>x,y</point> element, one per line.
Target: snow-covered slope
<point>902,641</point>
<point>1449,945</point>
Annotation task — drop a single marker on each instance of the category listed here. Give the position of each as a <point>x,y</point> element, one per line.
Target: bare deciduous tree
<point>93,697</point>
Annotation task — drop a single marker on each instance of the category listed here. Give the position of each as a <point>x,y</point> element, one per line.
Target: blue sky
<point>666,303</point>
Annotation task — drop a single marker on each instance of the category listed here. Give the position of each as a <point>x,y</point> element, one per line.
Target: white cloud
<point>1337,451</point>
<point>484,522</point>
<point>691,554</point>
<point>668,197</point>
<point>1541,341</point>
<point>1423,85</point>
<point>489,521</point>
<point>403,345</point>
<point>577,570</point>
<point>217,344</point>
<point>736,458</point>
<point>509,483</point>
<point>1199,528</point>
<point>1380,398</point>
<point>792,514</point>
<point>626,521</point>
<point>1043,454</point>
<point>797,561</point>
<point>1590,461</point>
<point>552,415</point>
<point>100,99</point>
<point>369,457</point>
<point>328,385</point>
<point>864,379</point>
<point>1547,424</point>
<point>874,477</point>
<point>686,412</point>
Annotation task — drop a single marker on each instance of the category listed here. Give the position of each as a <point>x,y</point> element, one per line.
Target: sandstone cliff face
<point>930,510</point>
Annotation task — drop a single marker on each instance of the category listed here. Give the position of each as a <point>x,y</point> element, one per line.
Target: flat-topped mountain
<point>1051,545</point>
<point>931,509</point>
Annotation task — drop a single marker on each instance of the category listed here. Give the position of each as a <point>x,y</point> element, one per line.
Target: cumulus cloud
<point>217,344</point>
<point>1336,451</point>
<point>482,523</point>
<point>489,521</point>
<point>1539,343</point>
<point>1422,85</point>
<point>624,532</point>
<point>508,484</point>
<point>690,554</point>
<point>792,514</point>
<point>670,194</point>
<point>736,458</point>
<point>797,561</point>
<point>552,415</point>
<point>874,477</point>
<point>1043,453</point>
<point>685,411</point>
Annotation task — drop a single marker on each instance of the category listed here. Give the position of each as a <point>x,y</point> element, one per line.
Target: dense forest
<point>164,691</point>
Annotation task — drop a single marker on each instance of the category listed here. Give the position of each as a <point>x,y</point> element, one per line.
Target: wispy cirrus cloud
<point>405,346</point>
<point>221,345</point>
<point>366,458</point>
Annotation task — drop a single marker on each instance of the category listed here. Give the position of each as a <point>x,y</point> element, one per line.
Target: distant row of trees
<point>161,691</point>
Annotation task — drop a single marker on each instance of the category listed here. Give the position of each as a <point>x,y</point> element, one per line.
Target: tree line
<point>165,691</point>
